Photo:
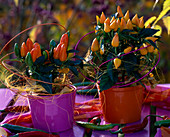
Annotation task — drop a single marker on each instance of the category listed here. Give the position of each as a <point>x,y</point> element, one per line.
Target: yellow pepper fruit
<point>115,40</point>
<point>126,17</point>
<point>141,22</point>
<point>107,25</point>
<point>113,18</point>
<point>117,62</point>
<point>151,38</point>
<point>102,18</point>
<point>135,20</point>
<point>119,10</point>
<point>143,51</point>
<point>114,25</point>
<point>95,45</point>
<point>150,48</point>
<point>118,23</point>
<point>123,24</point>
<point>97,19</point>
<point>101,51</point>
<point>129,25</point>
<point>127,50</point>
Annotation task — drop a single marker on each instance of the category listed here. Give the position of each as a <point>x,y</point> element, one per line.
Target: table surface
<point>6,95</point>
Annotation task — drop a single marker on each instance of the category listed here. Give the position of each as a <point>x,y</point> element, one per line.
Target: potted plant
<point>45,79</point>
<point>122,56</point>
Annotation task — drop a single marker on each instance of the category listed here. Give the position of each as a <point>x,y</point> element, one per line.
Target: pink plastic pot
<point>53,113</point>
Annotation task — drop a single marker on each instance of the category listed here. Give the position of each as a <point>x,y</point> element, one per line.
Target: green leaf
<point>106,82</point>
<point>46,69</point>
<point>110,70</point>
<point>57,62</point>
<point>130,63</point>
<point>72,51</point>
<point>79,57</point>
<point>138,76</point>
<point>147,32</point>
<point>39,60</point>
<point>46,78</point>
<point>74,70</point>
<point>151,43</point>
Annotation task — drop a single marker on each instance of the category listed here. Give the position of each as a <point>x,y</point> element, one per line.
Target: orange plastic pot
<point>122,105</point>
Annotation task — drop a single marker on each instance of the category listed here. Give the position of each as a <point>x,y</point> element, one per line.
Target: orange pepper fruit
<point>24,50</point>
<point>37,46</point>
<point>34,53</point>
<point>29,44</point>
<point>63,53</point>
<point>56,51</point>
<point>64,39</point>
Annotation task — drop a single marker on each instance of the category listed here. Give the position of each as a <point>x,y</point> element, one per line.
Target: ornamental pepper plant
<point>49,66</point>
<point>123,51</point>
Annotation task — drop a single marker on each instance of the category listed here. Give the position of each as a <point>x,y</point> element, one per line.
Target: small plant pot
<point>122,105</point>
<point>53,113</point>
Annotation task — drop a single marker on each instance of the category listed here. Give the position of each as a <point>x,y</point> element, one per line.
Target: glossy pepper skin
<point>24,50</point>
<point>29,44</point>
<point>96,127</point>
<point>63,53</point>
<point>56,51</point>
<point>17,50</point>
<point>64,39</point>
<point>37,46</point>
<point>132,128</point>
<point>117,62</point>
<point>34,54</point>
<point>115,40</point>
<point>95,45</point>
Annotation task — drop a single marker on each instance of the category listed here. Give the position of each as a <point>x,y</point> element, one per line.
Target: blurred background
<point>77,16</point>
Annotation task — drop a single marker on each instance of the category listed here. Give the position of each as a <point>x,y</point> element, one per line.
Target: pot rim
<point>74,89</point>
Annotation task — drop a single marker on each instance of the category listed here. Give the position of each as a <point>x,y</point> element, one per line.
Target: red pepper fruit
<point>64,39</point>
<point>63,53</point>
<point>37,46</point>
<point>24,50</point>
<point>56,51</point>
<point>135,128</point>
<point>29,44</point>
<point>35,134</point>
<point>34,54</point>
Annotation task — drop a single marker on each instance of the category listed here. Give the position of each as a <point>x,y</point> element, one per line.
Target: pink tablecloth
<point>6,95</point>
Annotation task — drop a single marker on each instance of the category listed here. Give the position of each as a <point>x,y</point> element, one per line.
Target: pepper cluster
<point>31,51</point>
<point>46,65</point>
<point>126,40</point>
